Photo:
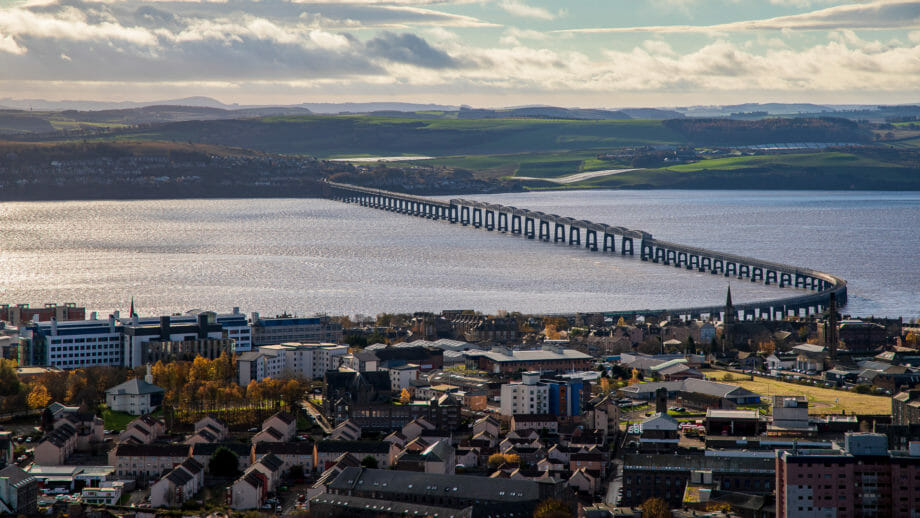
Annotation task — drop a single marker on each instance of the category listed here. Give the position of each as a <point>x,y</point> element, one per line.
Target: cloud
<point>518,8</point>
<point>409,49</point>
<point>886,14</point>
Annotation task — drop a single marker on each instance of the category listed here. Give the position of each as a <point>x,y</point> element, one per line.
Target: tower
<point>728,323</point>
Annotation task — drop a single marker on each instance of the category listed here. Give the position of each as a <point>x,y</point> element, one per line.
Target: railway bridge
<point>610,239</point>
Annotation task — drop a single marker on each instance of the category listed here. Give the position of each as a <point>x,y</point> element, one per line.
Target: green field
<point>829,159</point>
<point>355,135</point>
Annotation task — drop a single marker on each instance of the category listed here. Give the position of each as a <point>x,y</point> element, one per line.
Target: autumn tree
<point>496,460</point>
<point>9,379</point>
<point>655,508</point>
<point>552,508</point>
<point>405,397</point>
<point>224,461</point>
<point>39,396</point>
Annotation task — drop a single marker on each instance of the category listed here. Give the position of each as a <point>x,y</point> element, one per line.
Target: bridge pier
<point>785,279</point>
<point>611,239</point>
<point>574,236</point>
<point>544,230</point>
<point>670,256</point>
<point>718,266</point>
<point>560,229</point>
<point>464,215</point>
<point>529,228</point>
<point>453,214</point>
<point>771,277</point>
<point>490,220</point>
<point>694,262</point>
<point>744,271</point>
<point>756,274</point>
<point>731,268</point>
<point>477,217</point>
<point>591,240</point>
<point>681,260</point>
<point>648,251</point>
<point>661,254</point>
<point>626,246</point>
<point>515,224</point>
<point>705,264</point>
<point>502,221</point>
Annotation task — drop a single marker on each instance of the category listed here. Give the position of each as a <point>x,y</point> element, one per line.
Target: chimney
<point>164,327</point>
<point>92,316</point>
<point>54,330</point>
<point>117,314</point>
<point>111,323</point>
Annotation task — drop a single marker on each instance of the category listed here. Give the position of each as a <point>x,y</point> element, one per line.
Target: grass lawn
<point>828,159</point>
<point>821,400</point>
<point>116,420</point>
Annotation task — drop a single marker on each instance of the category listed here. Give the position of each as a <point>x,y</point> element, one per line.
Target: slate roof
<point>152,450</point>
<point>285,448</point>
<point>352,447</point>
<point>179,477</point>
<point>285,417</point>
<point>252,479</point>
<point>136,387</point>
<point>192,465</point>
<point>389,507</point>
<point>17,476</point>
<point>208,448</point>
<point>407,483</point>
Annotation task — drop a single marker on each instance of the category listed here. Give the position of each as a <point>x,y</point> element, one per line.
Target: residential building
<point>147,462</point>
<point>790,417</point>
<point>179,485</point>
<point>527,396</point>
<point>144,430</point>
<point>905,408</point>
<point>285,328</point>
<point>325,453</point>
<point>810,357</point>
<point>539,422</point>
<point>548,358</point>
<point>18,492</point>
<point>439,457</point>
<point>289,360</point>
<point>402,376</point>
<point>250,490</point>
<point>863,478</point>
<point>215,426</point>
<point>56,446</point>
<point>202,452</point>
<point>280,427</point>
<point>136,396</point>
<point>292,454</point>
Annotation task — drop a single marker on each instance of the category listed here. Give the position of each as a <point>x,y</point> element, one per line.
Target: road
<point>573,178</point>
<point>616,483</point>
<point>317,416</point>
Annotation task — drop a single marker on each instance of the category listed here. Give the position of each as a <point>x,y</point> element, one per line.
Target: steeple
<point>729,308</point>
<point>132,313</point>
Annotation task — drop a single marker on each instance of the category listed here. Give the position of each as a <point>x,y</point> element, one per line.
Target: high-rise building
<point>863,478</point>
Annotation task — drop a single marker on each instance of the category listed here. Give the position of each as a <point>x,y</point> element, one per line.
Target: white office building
<point>291,360</point>
<point>527,396</point>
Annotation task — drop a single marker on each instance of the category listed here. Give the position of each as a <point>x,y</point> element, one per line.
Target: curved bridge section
<point>599,237</point>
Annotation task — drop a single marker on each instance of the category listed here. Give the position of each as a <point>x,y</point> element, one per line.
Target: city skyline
<point>482,53</point>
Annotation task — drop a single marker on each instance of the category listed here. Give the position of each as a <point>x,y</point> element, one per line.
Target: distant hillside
<point>329,136</point>
<point>542,112</point>
<point>765,131</point>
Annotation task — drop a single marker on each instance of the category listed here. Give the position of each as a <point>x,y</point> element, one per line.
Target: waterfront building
<point>149,342</point>
<point>285,328</point>
<point>289,360</point>
<point>71,345</point>
<point>21,313</point>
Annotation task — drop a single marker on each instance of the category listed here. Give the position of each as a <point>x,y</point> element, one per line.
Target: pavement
<point>615,484</point>
<point>317,416</point>
<point>580,177</point>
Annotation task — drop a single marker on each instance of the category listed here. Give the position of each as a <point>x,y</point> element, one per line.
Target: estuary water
<point>307,256</point>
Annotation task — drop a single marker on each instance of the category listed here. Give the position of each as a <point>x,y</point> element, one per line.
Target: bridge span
<point>603,238</point>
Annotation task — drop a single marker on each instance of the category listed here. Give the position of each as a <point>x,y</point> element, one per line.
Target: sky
<point>484,53</point>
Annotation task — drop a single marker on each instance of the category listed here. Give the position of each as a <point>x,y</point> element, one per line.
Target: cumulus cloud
<point>409,49</point>
<point>885,14</point>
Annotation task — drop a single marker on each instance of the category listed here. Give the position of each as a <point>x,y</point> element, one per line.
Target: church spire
<point>729,308</point>
<point>132,314</point>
